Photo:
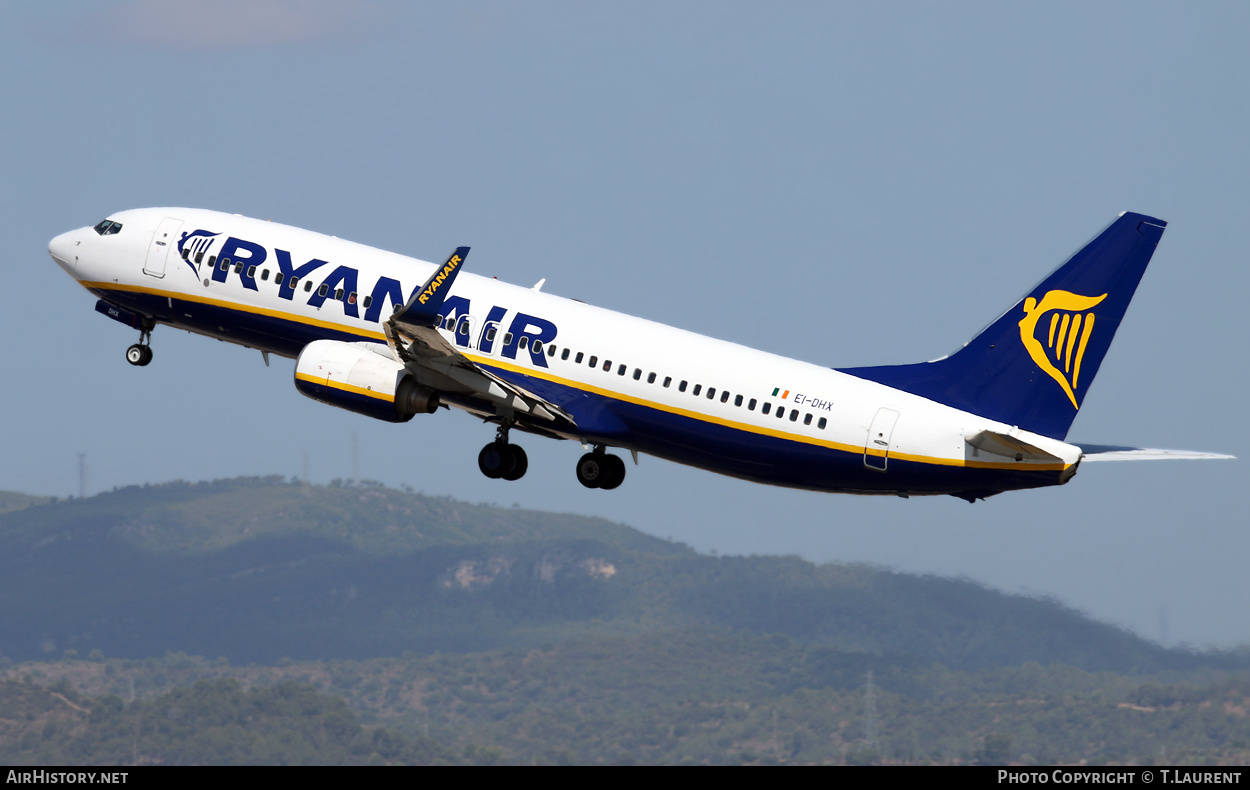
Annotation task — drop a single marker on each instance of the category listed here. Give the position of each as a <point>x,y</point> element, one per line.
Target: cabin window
<point>607,365</point>
<point>724,396</point>
<point>594,361</point>
<point>490,333</point>
<point>794,415</point>
<point>711,393</point>
<point>186,252</point>
<point>767,407</point>
<point>292,282</point>
<point>667,380</point>
<point>212,261</point>
<point>621,371</point>
<point>551,351</point>
<point>638,374</point>
<point>737,400</point>
<point>463,329</point>
<point>697,387</point>
<point>807,420</point>
<point>578,359</point>
<point>823,422</point>
<point>564,355</point>
<point>251,271</point>
<point>368,300</point>
<point>307,286</point>
<point>199,257</point>
<point>323,290</point>
<point>225,262</point>
<point>681,387</point>
<point>338,294</point>
<point>525,341</point>
<point>650,378</point>
<point>264,275</point>
<point>751,405</point>
<point>351,298</point>
<point>507,338</point>
<point>781,412</point>
<point>238,267</point>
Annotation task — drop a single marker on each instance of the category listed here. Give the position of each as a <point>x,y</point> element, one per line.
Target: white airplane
<point>390,337</point>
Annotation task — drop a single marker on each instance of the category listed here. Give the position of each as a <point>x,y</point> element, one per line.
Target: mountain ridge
<point>258,569</point>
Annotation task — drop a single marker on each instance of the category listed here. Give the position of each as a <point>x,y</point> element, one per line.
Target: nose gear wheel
<point>140,353</point>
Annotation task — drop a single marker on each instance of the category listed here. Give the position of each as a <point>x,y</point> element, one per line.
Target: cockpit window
<point>108,227</point>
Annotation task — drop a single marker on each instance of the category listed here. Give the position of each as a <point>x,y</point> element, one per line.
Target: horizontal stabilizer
<point>1106,452</point>
<point>1008,447</point>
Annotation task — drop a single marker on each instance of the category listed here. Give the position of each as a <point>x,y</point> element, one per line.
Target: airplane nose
<point>61,249</point>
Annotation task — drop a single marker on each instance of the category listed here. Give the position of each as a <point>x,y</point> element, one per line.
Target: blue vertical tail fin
<point>1033,366</point>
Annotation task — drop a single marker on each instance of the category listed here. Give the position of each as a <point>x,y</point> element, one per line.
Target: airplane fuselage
<point>621,381</point>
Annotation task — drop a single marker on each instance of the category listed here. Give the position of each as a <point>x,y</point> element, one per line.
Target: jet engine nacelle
<point>353,376</point>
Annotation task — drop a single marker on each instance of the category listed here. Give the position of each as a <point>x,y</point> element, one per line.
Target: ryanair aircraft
<point>391,337</point>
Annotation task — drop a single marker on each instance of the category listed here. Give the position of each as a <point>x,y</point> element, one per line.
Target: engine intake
<point>355,377</point>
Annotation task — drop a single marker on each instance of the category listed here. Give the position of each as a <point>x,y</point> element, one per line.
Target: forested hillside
<point>693,696</point>
<point>210,723</point>
<point>261,621</point>
<point>262,570</point>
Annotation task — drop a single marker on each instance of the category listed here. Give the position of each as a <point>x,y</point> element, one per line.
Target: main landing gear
<point>502,460</point>
<point>140,353</point>
<point>600,470</point>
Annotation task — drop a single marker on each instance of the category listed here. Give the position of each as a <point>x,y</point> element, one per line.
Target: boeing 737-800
<point>390,337</point>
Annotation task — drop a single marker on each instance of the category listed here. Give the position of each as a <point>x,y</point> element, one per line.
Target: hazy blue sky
<point>848,184</point>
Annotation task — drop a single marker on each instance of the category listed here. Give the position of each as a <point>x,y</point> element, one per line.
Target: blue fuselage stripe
<point>616,422</point>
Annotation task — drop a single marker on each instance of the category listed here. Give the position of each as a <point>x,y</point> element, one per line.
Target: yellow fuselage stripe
<point>486,361</point>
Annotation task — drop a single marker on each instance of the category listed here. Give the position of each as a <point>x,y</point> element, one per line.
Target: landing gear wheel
<point>614,472</point>
<point>497,460</point>
<point>521,463</point>
<point>600,470</point>
<point>590,469</point>
<point>138,355</point>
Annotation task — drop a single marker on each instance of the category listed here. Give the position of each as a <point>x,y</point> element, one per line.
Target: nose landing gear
<point>500,460</point>
<point>140,353</point>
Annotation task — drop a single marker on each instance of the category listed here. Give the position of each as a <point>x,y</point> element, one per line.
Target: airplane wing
<point>414,340</point>
<point>1106,452</point>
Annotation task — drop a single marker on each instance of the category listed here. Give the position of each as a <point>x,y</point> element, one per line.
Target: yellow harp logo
<point>1066,337</point>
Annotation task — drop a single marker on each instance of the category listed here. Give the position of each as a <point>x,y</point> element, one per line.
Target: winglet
<point>427,301</point>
